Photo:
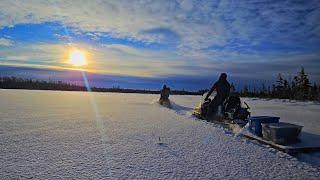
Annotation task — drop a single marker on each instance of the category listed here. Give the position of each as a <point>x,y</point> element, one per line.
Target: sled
<point>308,143</point>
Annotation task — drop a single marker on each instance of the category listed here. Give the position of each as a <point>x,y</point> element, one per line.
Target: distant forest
<point>22,83</point>
<point>299,88</point>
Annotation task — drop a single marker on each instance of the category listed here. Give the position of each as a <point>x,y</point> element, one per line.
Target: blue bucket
<point>255,123</point>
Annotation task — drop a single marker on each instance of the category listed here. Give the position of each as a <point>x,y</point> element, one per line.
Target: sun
<point>77,58</point>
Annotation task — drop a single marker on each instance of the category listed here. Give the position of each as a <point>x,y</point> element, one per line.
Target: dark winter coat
<point>222,88</point>
<point>164,94</point>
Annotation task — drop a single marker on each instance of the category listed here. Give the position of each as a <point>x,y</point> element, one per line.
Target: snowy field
<point>80,135</point>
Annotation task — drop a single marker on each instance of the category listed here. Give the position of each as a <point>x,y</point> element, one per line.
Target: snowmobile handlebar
<point>248,107</point>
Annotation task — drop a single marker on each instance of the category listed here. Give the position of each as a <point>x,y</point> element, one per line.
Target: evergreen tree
<point>318,94</point>
<point>302,85</point>
<point>273,91</point>
<point>279,87</point>
<point>269,92</point>
<point>299,88</point>
<point>314,92</point>
<point>286,89</point>
<point>263,90</point>
<point>245,91</point>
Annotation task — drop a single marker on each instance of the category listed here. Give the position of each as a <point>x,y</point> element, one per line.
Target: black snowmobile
<point>231,111</point>
<point>165,103</point>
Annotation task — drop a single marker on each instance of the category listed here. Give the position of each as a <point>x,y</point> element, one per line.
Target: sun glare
<point>77,58</point>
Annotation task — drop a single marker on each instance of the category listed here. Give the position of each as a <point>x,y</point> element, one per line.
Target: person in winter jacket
<point>222,87</point>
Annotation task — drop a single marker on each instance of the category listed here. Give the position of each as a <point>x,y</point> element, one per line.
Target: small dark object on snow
<point>159,142</point>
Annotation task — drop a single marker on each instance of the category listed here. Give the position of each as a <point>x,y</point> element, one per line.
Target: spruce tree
<point>273,91</point>
<point>245,91</point>
<point>303,85</point>
<point>286,89</point>
<point>263,91</point>
<point>318,93</point>
<point>314,92</point>
<point>279,87</point>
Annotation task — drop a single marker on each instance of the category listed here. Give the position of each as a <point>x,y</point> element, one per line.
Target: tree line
<point>23,83</point>
<point>298,88</point>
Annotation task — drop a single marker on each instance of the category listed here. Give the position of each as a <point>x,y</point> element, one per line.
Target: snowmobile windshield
<point>213,94</point>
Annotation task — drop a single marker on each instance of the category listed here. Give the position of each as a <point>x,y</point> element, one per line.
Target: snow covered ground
<point>54,135</point>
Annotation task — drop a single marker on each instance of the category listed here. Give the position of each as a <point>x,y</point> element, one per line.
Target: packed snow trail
<point>53,135</point>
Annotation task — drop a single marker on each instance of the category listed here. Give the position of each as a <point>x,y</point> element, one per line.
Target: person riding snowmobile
<point>222,88</point>
<point>164,96</point>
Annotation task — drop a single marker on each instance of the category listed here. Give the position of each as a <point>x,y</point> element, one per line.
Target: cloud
<point>198,24</point>
<point>201,38</point>
<point>6,42</point>
<point>105,59</point>
<point>115,59</point>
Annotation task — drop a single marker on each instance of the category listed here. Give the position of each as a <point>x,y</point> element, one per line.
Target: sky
<point>144,43</point>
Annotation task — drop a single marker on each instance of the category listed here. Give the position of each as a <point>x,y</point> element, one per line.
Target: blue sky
<point>165,40</point>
